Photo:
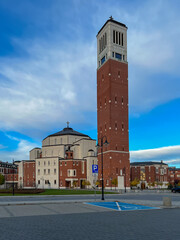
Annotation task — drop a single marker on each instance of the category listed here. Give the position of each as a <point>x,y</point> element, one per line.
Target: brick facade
<point>72,173</point>
<point>29,170</point>
<point>112,107</point>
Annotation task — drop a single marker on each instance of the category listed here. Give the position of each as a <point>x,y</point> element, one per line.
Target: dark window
<point>118,56</point>
<point>119,38</point>
<point>122,39</point>
<point>115,99</point>
<point>123,57</point>
<point>114,36</point>
<point>112,54</point>
<point>38,181</point>
<point>103,60</point>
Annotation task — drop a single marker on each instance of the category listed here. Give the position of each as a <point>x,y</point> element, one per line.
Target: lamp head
<point>106,143</point>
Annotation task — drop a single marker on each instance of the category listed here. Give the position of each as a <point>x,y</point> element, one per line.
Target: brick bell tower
<point>112,103</point>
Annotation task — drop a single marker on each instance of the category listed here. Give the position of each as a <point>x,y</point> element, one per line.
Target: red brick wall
<point>71,164</point>
<point>29,169</point>
<point>112,118</point>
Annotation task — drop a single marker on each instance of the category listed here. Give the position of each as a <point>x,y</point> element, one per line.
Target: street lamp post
<point>13,177</point>
<point>103,141</point>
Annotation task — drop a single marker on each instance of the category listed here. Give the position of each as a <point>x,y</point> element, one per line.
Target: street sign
<point>94,168</point>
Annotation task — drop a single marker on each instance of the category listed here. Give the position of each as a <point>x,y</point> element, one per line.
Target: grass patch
<point>70,192</point>
<point>58,192</point>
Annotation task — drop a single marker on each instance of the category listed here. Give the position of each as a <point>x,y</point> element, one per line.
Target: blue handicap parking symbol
<point>120,206</point>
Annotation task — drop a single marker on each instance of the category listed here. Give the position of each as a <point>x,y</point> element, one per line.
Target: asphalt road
<point>128,196</point>
<point>81,222</point>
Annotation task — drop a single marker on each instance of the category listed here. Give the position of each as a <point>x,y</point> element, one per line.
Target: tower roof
<point>113,21</point>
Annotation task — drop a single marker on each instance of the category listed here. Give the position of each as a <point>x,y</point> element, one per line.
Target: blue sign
<point>94,168</point>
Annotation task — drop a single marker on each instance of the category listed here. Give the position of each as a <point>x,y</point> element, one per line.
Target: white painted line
<point>118,206</point>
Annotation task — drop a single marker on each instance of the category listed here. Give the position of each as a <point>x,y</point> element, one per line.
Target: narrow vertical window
<point>105,101</point>
<point>112,54</point>
<point>116,37</point>
<point>122,39</point>
<point>113,36</point>
<point>118,74</point>
<point>119,38</point>
<point>103,42</point>
<point>115,99</point>
<point>122,100</point>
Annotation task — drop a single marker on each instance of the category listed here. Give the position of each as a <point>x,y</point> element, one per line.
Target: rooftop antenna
<point>111,17</point>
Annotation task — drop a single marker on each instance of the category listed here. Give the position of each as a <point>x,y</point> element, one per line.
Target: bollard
<point>167,201</point>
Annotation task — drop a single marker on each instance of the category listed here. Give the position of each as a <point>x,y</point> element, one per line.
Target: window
<point>44,171</point>
<point>61,173</point>
<point>54,181</point>
<point>39,163</point>
<point>55,171</point>
<point>48,163</point>
<point>76,163</point>
<point>112,54</point>
<point>103,60</point>
<point>82,167</point>
<point>118,56</point>
<point>113,36</point>
<point>48,171</point>
<point>73,163</point>
<point>74,173</point>
<point>115,99</point>
<point>38,171</point>
<point>116,37</point>
<point>47,182</point>
<point>54,162</point>
<point>122,39</point>
<point>119,38</point>
<point>38,181</point>
<point>122,100</point>
<point>123,57</point>
<point>44,163</point>
<point>65,163</point>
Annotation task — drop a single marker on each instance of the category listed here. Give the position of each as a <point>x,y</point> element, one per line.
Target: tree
<point>135,182</point>
<point>86,183</point>
<point>2,179</point>
<point>114,182</point>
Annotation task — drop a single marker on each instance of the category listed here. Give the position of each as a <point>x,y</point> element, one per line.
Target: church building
<point>65,160</point>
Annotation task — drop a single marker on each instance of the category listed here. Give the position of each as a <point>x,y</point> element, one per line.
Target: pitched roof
<point>113,21</point>
<point>68,131</point>
<point>146,163</point>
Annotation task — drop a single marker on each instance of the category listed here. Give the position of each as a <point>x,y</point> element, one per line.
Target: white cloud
<point>21,153</point>
<point>50,86</point>
<point>56,81</point>
<point>2,146</point>
<point>169,155</point>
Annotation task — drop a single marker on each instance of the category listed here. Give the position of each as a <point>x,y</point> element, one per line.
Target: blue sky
<point>48,73</point>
